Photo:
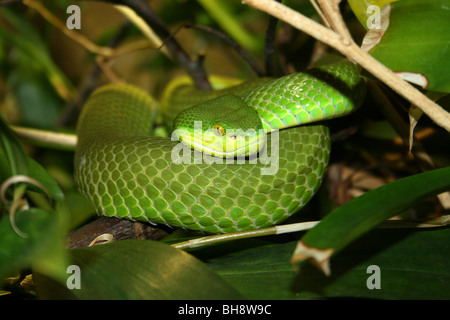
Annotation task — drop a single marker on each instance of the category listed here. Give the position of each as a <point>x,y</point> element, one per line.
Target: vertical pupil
<point>219,130</point>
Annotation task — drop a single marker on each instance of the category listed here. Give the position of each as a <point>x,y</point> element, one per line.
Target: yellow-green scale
<point>306,98</point>
<point>128,174</point>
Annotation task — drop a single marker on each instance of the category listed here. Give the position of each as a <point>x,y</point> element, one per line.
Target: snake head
<point>222,127</point>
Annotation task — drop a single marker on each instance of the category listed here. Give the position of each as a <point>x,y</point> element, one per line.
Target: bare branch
<point>353,52</point>
<point>193,67</point>
<point>269,45</point>
<point>78,37</point>
<point>118,228</point>
<point>331,11</point>
<point>241,51</point>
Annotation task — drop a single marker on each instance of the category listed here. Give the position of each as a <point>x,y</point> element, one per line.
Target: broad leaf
<point>350,221</point>
<point>412,265</point>
<point>416,41</point>
<point>41,249</point>
<point>137,269</point>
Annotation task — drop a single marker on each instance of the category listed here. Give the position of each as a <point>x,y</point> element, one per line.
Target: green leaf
<point>39,104</point>
<point>358,216</point>
<point>362,11</point>
<point>14,161</point>
<point>136,269</point>
<point>36,172</point>
<point>42,249</point>
<point>25,39</point>
<point>416,41</point>
<point>413,265</point>
<point>11,152</point>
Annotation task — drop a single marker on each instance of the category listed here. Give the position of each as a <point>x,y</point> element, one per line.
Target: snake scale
<point>129,174</point>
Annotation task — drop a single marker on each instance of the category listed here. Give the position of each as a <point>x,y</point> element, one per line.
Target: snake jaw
<point>228,128</point>
<point>234,143</point>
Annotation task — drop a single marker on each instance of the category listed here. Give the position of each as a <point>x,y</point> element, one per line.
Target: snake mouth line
<point>259,143</point>
<point>205,144</point>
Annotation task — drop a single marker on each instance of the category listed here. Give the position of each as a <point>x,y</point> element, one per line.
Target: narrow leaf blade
<point>136,269</point>
<point>358,216</point>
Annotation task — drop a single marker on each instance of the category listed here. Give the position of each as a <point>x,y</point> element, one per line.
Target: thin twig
<point>424,161</point>
<point>353,52</point>
<point>240,50</point>
<point>269,45</point>
<point>120,229</point>
<point>302,226</point>
<point>91,80</point>
<point>144,27</point>
<point>320,13</point>
<point>64,140</point>
<point>330,9</point>
<point>78,37</point>
<point>193,67</point>
<point>214,239</point>
<point>104,65</point>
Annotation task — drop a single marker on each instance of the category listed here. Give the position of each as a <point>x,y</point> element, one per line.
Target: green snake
<point>129,174</point>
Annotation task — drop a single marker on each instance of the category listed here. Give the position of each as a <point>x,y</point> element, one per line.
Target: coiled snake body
<point>128,174</point>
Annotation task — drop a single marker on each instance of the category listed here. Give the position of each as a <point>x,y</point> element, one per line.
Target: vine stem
<point>57,139</point>
<point>353,52</point>
<point>203,241</point>
<point>143,27</point>
<point>302,226</point>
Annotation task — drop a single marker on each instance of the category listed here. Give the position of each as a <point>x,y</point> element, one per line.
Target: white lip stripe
<point>203,147</point>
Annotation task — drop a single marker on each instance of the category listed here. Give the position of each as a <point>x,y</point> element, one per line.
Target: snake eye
<point>233,137</point>
<point>220,131</point>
